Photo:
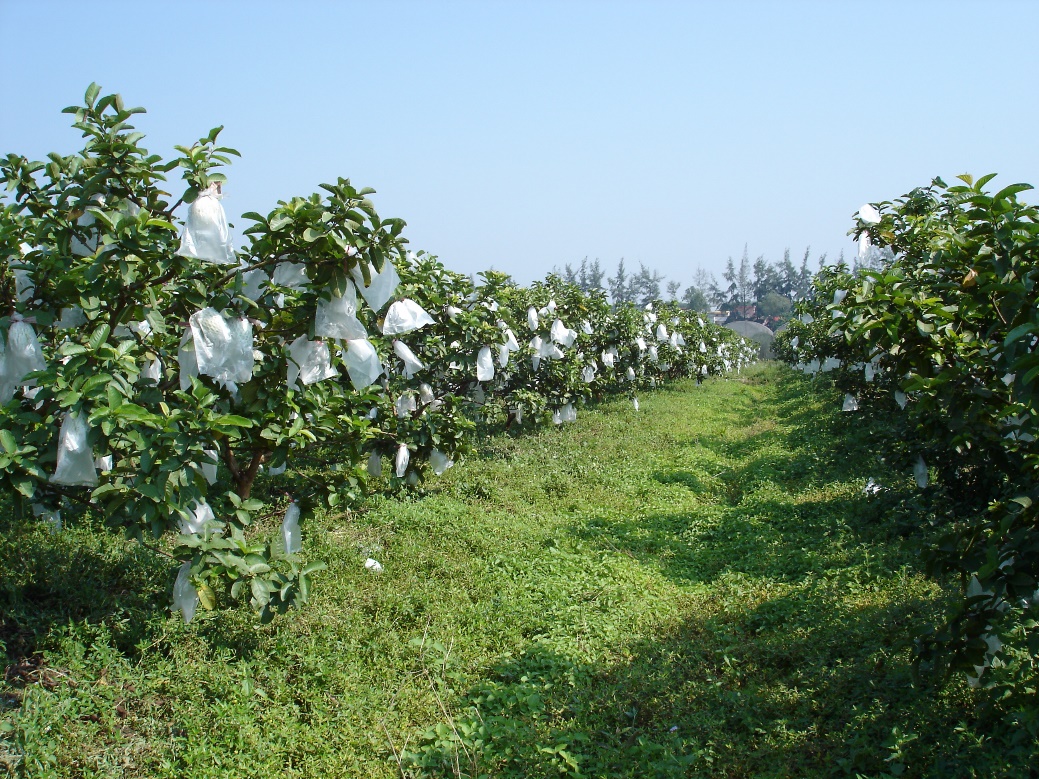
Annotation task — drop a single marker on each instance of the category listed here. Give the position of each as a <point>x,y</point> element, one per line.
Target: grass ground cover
<point>698,588</point>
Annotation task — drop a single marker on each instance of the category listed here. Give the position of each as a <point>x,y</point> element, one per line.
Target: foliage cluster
<point>937,348</point>
<point>151,373</point>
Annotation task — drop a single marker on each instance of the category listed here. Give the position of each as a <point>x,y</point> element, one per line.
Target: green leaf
<point>91,94</point>
<point>99,336</point>
<point>8,442</point>
<point>233,420</point>
<point>1018,332</point>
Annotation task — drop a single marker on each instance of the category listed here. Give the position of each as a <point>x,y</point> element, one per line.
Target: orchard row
<point>936,346</point>
<point>152,373</point>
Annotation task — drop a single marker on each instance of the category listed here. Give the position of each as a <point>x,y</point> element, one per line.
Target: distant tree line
<point>763,291</point>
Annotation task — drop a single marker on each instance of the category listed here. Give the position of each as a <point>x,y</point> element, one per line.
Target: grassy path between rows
<point>698,588</point>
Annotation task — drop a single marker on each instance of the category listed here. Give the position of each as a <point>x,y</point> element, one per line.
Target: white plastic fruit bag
<point>588,374</point>
<point>185,596</point>
<point>587,327</point>
<point>206,235</point>
<point>567,413</point>
<point>510,340</point>
<point>869,214</point>
<point>23,354</point>
<point>75,467</point>
<point>337,318</point>
<point>563,335</point>
<point>24,287</point>
<point>70,318</point>
<point>194,520</point>
<point>631,374</point>
<point>223,347</point>
<point>48,516</point>
<point>405,316</point>
<point>851,403</point>
<point>532,318</point>
<point>402,460</point>
<point>661,332</point>
<point>290,533</point>
<point>253,283</point>
<point>209,469</point>
<point>404,405</point>
<point>290,275</point>
<point>362,363</point>
<point>152,371</point>
<point>484,365</point>
<point>439,462</point>
<point>412,364</point>
<point>383,285</point>
<point>374,465</point>
<point>920,471</point>
<point>309,361</point>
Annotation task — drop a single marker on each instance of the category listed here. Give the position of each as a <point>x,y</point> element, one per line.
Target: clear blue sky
<point>523,135</point>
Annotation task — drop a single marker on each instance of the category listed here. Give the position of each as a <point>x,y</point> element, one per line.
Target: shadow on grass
<point>84,583</point>
<point>801,685</point>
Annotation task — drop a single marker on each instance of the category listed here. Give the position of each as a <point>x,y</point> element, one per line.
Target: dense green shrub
<point>940,342</point>
<point>152,373</point>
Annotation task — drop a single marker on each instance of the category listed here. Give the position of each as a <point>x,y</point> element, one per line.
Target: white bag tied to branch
<point>661,332</point>
<point>404,316</point>
<point>587,327</point>
<point>425,394</point>
<point>383,285</point>
<point>439,462</point>
<point>71,317</point>
<point>309,361</point>
<point>195,519</point>
<point>374,465</point>
<point>75,467</point>
<point>640,343</point>
<point>404,405</point>
<point>24,287</point>
<point>186,360</point>
<point>254,282</point>
<point>291,275</point>
<point>635,403</point>
<point>920,471</point>
<point>567,413</point>
<point>900,398</point>
<point>851,403</point>
<point>223,347</point>
<point>869,214</point>
<point>290,532</point>
<point>452,312</point>
<point>206,235</point>
<point>588,374</point>
<point>152,370</point>
<point>412,364</point>
<point>209,468</point>
<point>185,596</point>
<point>503,355</point>
<point>362,363</point>
<point>653,354</point>
<point>607,358</point>
<point>484,365</point>
<point>18,357</point>
<point>510,340</point>
<point>562,335</point>
<point>402,460</point>
<point>337,318</point>
<point>532,318</point>
<point>631,374</point>
<point>52,518</point>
